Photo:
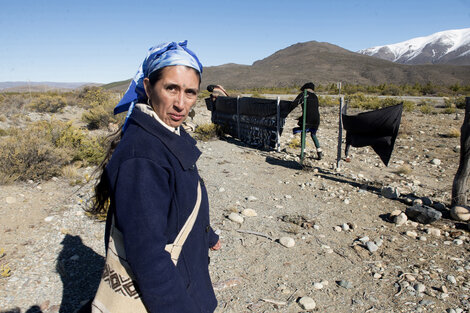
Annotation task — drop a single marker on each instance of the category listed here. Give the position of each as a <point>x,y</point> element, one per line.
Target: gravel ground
<point>55,251</point>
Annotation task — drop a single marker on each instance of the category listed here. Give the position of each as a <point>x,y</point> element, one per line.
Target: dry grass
<point>404,170</point>
<point>70,171</point>
<point>453,133</point>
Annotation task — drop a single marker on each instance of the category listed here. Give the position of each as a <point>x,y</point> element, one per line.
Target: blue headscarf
<point>160,56</point>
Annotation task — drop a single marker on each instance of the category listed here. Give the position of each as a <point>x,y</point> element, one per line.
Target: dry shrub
<point>30,155</point>
<point>206,132</point>
<point>48,103</point>
<point>69,171</point>
<point>99,104</point>
<point>404,169</point>
<point>453,133</point>
<point>43,148</point>
<point>426,108</point>
<point>295,143</point>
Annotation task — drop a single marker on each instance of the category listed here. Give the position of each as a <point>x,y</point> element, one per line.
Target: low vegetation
<point>428,89</point>
<point>206,132</point>
<point>42,149</point>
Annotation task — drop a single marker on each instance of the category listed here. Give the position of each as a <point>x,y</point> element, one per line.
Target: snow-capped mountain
<point>450,47</point>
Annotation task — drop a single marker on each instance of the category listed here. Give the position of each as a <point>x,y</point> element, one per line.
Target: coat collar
<point>183,147</point>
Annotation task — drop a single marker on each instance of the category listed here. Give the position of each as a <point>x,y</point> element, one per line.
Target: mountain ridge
<point>445,47</point>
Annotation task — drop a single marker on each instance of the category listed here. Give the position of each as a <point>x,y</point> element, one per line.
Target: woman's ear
<point>147,87</point>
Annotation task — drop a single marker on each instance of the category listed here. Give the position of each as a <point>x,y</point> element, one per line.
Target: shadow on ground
<point>80,269</point>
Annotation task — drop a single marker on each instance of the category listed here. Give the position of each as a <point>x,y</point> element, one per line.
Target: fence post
<point>302,140</point>
<point>340,132</point>
<point>459,186</point>
<point>278,125</point>
<point>238,117</point>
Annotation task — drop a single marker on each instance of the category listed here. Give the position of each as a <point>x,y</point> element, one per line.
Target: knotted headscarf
<point>160,56</point>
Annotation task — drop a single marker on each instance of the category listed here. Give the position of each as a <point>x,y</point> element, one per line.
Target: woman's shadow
<point>80,269</point>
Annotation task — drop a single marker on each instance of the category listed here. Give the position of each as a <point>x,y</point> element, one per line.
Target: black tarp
<point>378,129</point>
<point>253,122</point>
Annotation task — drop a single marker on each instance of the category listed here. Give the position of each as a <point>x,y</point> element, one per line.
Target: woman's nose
<point>179,101</point>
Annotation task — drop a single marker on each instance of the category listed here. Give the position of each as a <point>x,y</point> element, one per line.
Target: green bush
<point>48,103</point>
<point>206,132</point>
<point>327,101</point>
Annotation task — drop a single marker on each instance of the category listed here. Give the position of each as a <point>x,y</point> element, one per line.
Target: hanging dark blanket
<point>256,118</point>
<point>378,129</point>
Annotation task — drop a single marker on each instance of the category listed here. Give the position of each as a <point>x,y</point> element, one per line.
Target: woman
<point>151,185</point>
<point>312,116</point>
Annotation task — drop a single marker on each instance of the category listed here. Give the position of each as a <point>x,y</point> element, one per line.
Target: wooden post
<point>302,140</point>
<point>340,132</point>
<point>278,125</point>
<point>459,187</point>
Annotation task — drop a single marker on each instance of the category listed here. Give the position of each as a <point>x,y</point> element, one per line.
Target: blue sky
<point>105,41</point>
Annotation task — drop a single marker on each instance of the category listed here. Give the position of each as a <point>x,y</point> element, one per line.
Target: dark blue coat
<point>153,178</point>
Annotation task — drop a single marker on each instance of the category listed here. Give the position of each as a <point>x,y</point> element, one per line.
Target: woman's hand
<point>217,246</point>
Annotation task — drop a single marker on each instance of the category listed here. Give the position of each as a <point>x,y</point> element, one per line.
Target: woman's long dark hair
<point>102,190</point>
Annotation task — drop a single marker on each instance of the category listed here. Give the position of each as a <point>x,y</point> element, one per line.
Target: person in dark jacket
<point>312,116</point>
<point>150,183</point>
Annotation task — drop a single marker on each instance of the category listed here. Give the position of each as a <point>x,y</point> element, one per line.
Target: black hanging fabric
<point>378,129</point>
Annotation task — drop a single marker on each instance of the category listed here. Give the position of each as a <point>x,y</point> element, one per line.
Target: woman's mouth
<point>176,117</point>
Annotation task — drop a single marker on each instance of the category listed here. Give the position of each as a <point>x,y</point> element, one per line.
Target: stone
<point>345,284</point>
<point>394,213</point>
<point>419,287</point>
<point>307,303</point>
<point>444,289</point>
<point>426,302</point>
<point>337,228</point>
<point>423,214</point>
<point>411,234</point>
<point>49,218</point>
<point>378,242</point>
<point>410,278</point>
<point>439,206</point>
<point>417,202</point>
<point>251,198</point>
<point>460,213</point>
<point>400,219</point>
<point>436,162</point>
<point>456,148</point>
<point>234,217</point>
<point>422,238</point>
<point>221,189</point>
<point>10,200</point>
<point>426,201</point>
<point>433,232</point>
<point>451,279</point>
<point>377,275</point>
<point>458,242</point>
<point>371,246</point>
<point>288,196</point>
<point>390,192</point>
<point>318,286</point>
<point>364,239</point>
<point>249,212</point>
<point>287,242</point>
<point>345,227</point>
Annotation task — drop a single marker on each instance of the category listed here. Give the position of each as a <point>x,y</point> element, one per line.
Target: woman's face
<point>173,96</point>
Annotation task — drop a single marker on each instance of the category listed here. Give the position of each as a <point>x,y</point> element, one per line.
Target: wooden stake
<point>459,187</point>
